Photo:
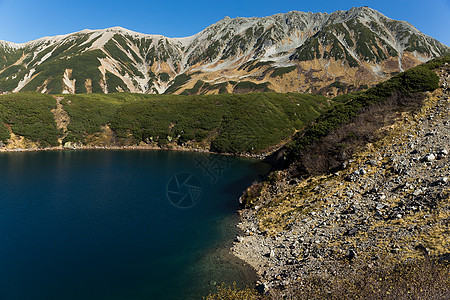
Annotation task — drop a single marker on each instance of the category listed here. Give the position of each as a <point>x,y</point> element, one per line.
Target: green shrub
<point>177,83</point>
<point>249,87</point>
<point>415,80</point>
<point>4,133</point>
<point>29,115</point>
<point>283,70</point>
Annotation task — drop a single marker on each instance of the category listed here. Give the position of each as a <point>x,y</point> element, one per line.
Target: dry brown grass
<point>424,279</point>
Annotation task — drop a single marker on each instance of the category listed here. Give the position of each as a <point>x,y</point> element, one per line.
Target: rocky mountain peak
<point>295,51</point>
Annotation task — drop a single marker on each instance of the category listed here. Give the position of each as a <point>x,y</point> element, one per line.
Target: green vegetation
<point>208,55</point>
<point>255,64</point>
<point>283,70</point>
<point>164,77</point>
<point>228,123</point>
<point>366,42</point>
<point>308,51</point>
<point>195,90</point>
<point>29,115</point>
<point>231,123</point>
<point>9,56</point>
<point>251,87</point>
<point>337,84</point>
<point>417,43</point>
<point>415,80</point>
<point>4,133</point>
<point>88,112</point>
<point>244,123</point>
<point>222,87</point>
<point>177,83</point>
<point>113,83</point>
<point>87,67</point>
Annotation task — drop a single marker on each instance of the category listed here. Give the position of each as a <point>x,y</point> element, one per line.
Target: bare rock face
<point>292,52</point>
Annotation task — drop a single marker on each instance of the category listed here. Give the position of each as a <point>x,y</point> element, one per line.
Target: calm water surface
<point>118,224</point>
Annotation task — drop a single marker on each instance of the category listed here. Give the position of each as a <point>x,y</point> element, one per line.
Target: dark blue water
<point>117,224</point>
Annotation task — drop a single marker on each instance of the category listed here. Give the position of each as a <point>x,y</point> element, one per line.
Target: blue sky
<point>25,20</point>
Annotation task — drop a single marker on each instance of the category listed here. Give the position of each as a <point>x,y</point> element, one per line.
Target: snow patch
<point>24,81</point>
<point>44,58</point>
<point>113,66</point>
<point>377,70</point>
<point>105,37</point>
<point>69,84</point>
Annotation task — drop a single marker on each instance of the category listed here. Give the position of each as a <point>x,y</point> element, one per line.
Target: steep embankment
<point>239,124</point>
<point>388,204</point>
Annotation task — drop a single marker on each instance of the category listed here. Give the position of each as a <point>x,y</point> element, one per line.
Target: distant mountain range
<point>293,52</point>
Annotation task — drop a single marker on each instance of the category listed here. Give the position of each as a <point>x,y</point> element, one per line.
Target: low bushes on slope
<point>4,133</point>
<point>225,123</point>
<point>396,94</point>
<point>230,123</point>
<point>88,112</point>
<point>29,115</point>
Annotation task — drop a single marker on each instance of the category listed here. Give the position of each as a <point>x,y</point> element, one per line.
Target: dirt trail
<point>62,119</point>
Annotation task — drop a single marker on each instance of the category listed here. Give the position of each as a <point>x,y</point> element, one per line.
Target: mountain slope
<point>385,206</point>
<point>249,124</point>
<point>292,52</point>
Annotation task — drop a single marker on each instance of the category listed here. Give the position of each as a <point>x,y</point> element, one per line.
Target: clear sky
<point>25,20</point>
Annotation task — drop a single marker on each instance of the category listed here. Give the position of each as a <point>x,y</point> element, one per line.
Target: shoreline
<point>136,147</point>
<point>375,210</point>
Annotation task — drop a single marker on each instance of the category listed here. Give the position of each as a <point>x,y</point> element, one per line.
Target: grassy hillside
<point>28,115</point>
<point>224,123</point>
<point>247,123</point>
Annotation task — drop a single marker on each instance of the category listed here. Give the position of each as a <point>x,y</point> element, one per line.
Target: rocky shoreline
<point>136,147</point>
<point>390,202</point>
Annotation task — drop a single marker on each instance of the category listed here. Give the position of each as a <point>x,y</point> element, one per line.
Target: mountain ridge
<point>350,49</point>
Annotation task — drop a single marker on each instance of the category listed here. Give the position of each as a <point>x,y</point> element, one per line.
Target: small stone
<point>444,180</point>
<point>395,249</point>
<point>430,157</point>
<point>272,253</point>
<point>423,249</point>
<point>351,254</point>
<point>417,192</point>
<point>344,165</point>
<point>379,206</point>
<point>212,283</point>
<point>351,231</point>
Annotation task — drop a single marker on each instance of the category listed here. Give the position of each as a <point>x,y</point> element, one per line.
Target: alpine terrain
<point>321,53</point>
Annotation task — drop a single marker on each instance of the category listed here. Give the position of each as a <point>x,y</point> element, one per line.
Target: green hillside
<point>247,123</point>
